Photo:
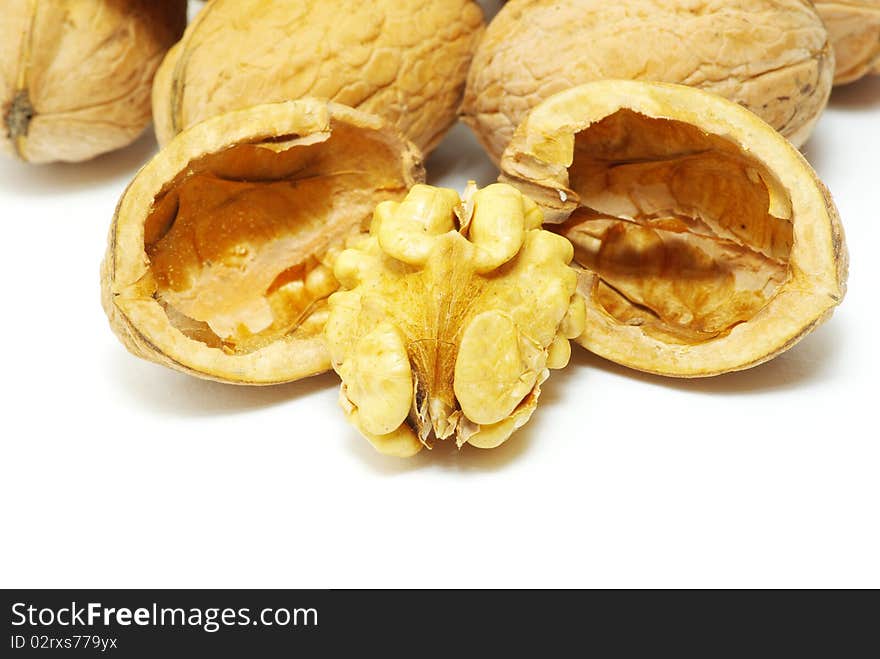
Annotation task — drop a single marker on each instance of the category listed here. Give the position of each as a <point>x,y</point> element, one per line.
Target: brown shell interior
<point>238,241</point>
<point>687,235</point>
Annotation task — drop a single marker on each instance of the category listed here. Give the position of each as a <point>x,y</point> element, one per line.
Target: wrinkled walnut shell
<point>219,259</point>
<point>854,26</point>
<point>771,56</point>
<point>707,243</point>
<point>75,75</point>
<point>404,61</point>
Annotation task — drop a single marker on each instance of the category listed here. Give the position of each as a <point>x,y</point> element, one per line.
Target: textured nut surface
<point>772,56</point>
<point>706,242</point>
<point>854,26</point>
<point>75,75</point>
<point>404,61</point>
<point>455,335</point>
<point>220,255</point>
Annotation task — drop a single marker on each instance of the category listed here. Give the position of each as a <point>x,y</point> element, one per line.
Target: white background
<point>116,472</point>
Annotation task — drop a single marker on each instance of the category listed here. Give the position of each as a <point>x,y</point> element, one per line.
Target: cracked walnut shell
<point>706,242</point>
<point>219,260</point>
<point>450,314</point>
<point>404,61</point>
<point>854,26</point>
<point>75,75</point>
<point>772,56</point>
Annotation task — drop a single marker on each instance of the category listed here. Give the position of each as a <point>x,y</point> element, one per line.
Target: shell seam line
<point>20,113</point>
<point>178,82</point>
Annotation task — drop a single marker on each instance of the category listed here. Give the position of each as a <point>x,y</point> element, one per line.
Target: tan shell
<point>75,75</point>
<point>450,315</point>
<point>707,242</point>
<point>219,257</point>
<point>772,56</point>
<point>404,61</point>
<point>854,26</point>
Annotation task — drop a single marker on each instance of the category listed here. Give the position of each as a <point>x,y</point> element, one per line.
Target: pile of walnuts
<point>652,204</point>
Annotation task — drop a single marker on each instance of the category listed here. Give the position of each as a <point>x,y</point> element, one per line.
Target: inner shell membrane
<point>687,235</point>
<point>239,242</point>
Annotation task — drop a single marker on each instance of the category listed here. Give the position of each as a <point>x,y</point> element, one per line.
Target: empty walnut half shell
<point>219,256</point>
<point>449,316</point>
<point>707,243</point>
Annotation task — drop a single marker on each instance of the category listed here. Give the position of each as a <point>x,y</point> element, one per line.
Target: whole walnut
<point>772,56</point>
<point>75,75</point>
<point>854,27</point>
<point>404,61</point>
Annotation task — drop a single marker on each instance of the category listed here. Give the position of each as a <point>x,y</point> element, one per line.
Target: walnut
<point>449,316</point>
<point>75,75</point>
<point>220,254</point>
<point>706,242</point>
<point>772,56</point>
<point>854,26</point>
<point>404,61</point>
